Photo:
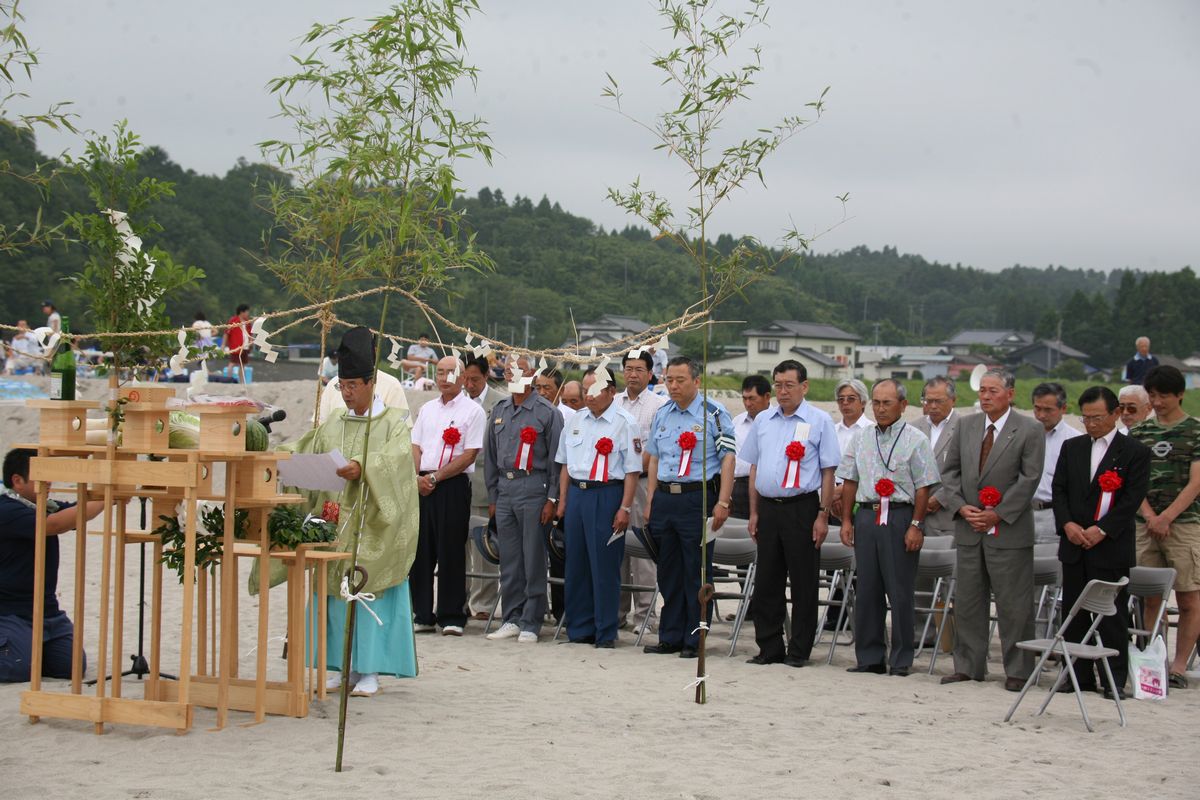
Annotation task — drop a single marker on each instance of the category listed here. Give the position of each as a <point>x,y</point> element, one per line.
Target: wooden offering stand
<point>65,461</point>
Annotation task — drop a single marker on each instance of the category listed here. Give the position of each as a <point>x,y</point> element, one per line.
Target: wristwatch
<point>433,479</point>
<point>627,509</point>
<point>725,504</point>
<point>919,524</point>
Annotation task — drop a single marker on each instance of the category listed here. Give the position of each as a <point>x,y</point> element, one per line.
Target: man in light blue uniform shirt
<point>595,499</point>
<point>793,452</point>
<point>686,485</point>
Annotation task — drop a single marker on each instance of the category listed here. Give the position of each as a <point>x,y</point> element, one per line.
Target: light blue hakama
<point>388,649</point>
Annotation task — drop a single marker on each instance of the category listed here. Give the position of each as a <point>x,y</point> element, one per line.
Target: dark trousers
<point>786,551</point>
<point>593,589</point>
<point>16,648</point>
<point>1114,630</point>
<point>677,527</point>
<point>739,501</point>
<point>886,575</point>
<point>441,543</point>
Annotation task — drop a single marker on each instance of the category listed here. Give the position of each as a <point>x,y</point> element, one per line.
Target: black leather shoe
<point>662,648</point>
<point>1014,684</point>
<point>1067,688</point>
<point>876,669</point>
<point>584,640</point>
<point>759,660</point>
<point>958,677</point>
<point>609,645</point>
<point>794,661</point>
<point>688,652</point>
<point>901,672</point>
<point>1108,695</point>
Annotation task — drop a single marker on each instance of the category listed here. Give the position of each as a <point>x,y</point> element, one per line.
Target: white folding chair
<point>940,567</point>
<point>478,528</point>
<point>734,548</point>
<point>1099,599</point>
<point>1147,582</point>
<point>838,559</point>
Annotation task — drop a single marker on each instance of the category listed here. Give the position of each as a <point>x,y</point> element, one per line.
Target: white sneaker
<point>334,680</point>
<point>527,637</point>
<point>508,630</point>
<point>420,627</point>
<point>452,630</point>
<point>367,686</point>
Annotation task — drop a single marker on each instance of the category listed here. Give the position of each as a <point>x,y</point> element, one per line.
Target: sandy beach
<point>503,720</point>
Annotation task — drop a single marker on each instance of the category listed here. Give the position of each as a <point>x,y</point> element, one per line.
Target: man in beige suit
<point>939,423</point>
<point>1000,450</point>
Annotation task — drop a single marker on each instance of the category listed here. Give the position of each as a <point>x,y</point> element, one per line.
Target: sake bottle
<point>62,368</point>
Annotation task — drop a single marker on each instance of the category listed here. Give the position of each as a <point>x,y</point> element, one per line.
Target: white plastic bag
<point>1148,670</point>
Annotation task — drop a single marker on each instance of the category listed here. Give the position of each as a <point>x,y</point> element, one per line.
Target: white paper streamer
<point>179,360</point>
<point>260,340</point>
<point>393,358</point>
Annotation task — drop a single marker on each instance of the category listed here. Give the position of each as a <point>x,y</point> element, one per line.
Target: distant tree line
<point>558,268</point>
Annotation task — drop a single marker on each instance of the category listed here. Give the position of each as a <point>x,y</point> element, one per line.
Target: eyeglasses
<point>1131,408</point>
<point>849,399</point>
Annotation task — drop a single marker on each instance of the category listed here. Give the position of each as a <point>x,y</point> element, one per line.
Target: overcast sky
<point>981,132</point>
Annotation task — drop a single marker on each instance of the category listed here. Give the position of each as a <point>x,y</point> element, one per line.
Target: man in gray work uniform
<point>522,482</point>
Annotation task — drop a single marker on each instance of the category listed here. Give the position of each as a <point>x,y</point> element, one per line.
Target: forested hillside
<point>551,264</point>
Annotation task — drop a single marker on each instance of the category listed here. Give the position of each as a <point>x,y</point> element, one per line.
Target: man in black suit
<point>1096,528</point>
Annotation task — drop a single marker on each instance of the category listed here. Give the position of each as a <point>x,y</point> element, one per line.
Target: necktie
<point>988,440</point>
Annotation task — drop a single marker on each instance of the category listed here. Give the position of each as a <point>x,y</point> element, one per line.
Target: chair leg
<point>646,621</point>
<point>740,617</point>
<point>558,628</point>
<point>1112,685</point>
<point>842,620</point>
<point>492,614</point>
<point>1029,682</point>
<point>835,583</point>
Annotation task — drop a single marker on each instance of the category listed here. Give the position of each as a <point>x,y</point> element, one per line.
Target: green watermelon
<point>256,436</point>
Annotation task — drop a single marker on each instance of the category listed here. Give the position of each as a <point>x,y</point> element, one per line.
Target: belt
<point>742,479</point>
<point>684,488</point>
<point>781,501</point>
<point>595,484</point>
<point>875,506</point>
<point>1039,505</point>
<point>514,474</point>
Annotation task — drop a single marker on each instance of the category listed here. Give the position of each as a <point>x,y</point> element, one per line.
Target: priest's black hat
<point>356,354</point>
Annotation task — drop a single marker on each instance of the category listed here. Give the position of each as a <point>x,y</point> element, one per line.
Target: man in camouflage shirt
<point>1170,533</point>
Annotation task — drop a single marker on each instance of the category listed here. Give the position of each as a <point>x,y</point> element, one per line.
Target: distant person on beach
<point>329,366</point>
<point>420,357</point>
<point>203,329</point>
<point>24,355</point>
<point>237,339</point>
<point>18,520</point>
<point>1141,363</point>
<point>53,318</point>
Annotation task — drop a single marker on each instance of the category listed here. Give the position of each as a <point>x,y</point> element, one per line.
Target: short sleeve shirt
<point>435,418</point>
<point>577,445</point>
<point>17,527</point>
<point>901,454</point>
<point>670,421</point>
<point>770,435</point>
<point>1172,451</point>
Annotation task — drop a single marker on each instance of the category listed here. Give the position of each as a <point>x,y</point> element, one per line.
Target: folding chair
<point>1047,582</point>
<point>1046,550</point>
<point>636,548</point>
<point>734,548</point>
<point>1147,582</point>
<point>938,566</point>
<point>1099,599</point>
<point>838,559</point>
<point>485,543</point>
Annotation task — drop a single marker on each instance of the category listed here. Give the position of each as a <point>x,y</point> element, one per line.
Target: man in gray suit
<point>940,423</point>
<point>997,452</point>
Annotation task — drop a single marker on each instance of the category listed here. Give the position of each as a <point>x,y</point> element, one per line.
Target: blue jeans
<point>16,647</point>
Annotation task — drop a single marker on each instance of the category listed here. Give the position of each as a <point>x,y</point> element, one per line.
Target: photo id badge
<point>802,429</point>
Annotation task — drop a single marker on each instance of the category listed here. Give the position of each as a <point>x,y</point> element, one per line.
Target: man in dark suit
<point>1097,532</point>
<point>1000,450</point>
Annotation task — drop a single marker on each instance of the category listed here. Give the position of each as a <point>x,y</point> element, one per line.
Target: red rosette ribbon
<point>525,451</point>
<point>989,498</point>
<point>331,511</point>
<point>450,437</point>
<point>1109,482</point>
<point>687,443</point>
<point>791,474</point>
<point>885,489</point>
<point>604,447</point>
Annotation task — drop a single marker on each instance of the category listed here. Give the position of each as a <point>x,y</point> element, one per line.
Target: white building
<point>903,363</point>
<point>824,350</point>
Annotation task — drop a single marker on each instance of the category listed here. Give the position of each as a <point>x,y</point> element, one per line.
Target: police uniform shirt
<point>770,435</point>
<point>577,445</point>
<point>502,442</point>
<point>671,420</point>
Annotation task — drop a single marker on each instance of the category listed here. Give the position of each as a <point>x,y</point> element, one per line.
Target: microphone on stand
<point>278,415</point>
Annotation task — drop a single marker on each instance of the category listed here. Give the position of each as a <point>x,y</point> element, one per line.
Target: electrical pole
<point>527,319</point>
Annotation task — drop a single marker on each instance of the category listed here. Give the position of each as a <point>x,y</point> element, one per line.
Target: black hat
<point>356,354</point>
<point>485,539</point>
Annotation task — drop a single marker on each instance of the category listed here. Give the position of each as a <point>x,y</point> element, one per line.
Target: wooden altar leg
<point>322,621</point>
<point>105,585</point>
<point>39,588</point>
<point>296,629</point>
<point>189,586</point>
<point>202,623</point>
<point>81,497</point>
<point>118,637</point>
<point>156,586</point>
<point>228,646</point>
<point>264,592</point>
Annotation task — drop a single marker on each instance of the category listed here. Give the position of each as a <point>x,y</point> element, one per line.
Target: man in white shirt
<point>447,437</point>
<point>756,398</point>
<point>851,396</point>
<point>420,357</point>
<point>1049,404</point>
<point>642,404</point>
<point>388,391</point>
<point>1134,404</point>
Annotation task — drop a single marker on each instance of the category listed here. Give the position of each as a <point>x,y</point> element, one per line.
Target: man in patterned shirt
<point>894,461</point>
<point>1169,536</point>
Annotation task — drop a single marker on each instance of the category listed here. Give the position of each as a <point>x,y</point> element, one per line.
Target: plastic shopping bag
<point>1148,669</point>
